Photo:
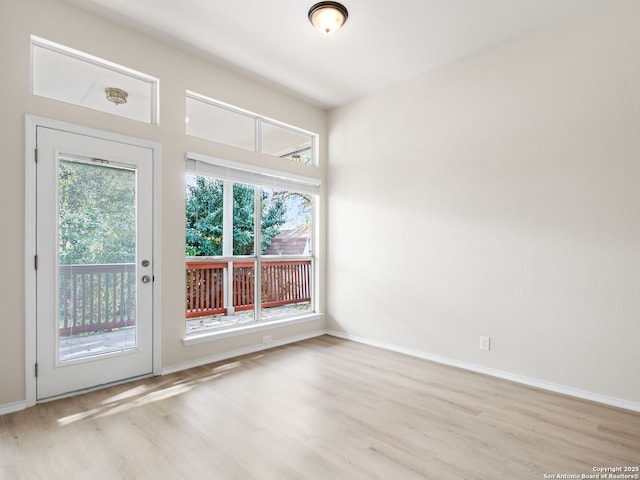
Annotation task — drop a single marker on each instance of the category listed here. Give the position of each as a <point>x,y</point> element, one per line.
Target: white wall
<point>60,22</point>
<point>500,196</point>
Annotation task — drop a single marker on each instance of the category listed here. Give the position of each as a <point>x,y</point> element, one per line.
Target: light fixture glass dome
<point>328,16</point>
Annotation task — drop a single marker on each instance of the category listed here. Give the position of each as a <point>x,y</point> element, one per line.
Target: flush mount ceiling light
<point>116,95</point>
<point>328,16</point>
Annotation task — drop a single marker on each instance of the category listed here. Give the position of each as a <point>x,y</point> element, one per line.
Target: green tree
<point>204,218</point>
<point>96,207</point>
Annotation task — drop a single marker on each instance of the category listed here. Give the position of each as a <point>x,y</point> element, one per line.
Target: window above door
<point>71,76</point>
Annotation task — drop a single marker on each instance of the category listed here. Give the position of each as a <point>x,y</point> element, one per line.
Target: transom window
<point>239,222</point>
<point>71,76</point>
<point>214,120</point>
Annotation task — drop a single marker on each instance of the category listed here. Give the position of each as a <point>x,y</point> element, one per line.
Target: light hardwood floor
<point>321,409</point>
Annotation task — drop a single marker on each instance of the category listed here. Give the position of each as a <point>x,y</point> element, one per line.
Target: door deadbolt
<point>145,263</point>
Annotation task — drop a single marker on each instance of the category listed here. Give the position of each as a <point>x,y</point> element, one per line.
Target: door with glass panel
<point>94,262</point>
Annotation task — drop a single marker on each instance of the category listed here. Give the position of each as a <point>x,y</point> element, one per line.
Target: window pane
<point>286,288</point>
<point>243,223</point>
<point>286,143</point>
<point>68,77</point>
<point>204,216</point>
<point>214,120</point>
<point>96,254</point>
<point>286,230</point>
<point>219,124</point>
<point>286,222</point>
<point>219,293</point>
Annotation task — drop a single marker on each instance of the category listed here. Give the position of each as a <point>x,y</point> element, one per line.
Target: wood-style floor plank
<point>322,409</point>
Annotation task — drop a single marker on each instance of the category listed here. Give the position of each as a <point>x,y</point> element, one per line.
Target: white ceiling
<point>382,43</point>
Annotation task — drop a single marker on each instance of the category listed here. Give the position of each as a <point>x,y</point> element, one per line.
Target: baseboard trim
<point>532,382</point>
<point>12,407</point>
<point>241,351</point>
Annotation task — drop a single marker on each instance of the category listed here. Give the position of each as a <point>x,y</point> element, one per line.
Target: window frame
<point>259,177</point>
<point>259,120</point>
<point>86,58</point>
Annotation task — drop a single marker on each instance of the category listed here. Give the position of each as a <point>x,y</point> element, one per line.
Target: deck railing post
<point>229,289</point>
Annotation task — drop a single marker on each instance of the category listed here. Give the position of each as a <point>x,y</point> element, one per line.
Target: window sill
<point>213,335</point>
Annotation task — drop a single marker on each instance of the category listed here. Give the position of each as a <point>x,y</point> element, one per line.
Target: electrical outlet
<point>485,343</point>
<point>266,339</point>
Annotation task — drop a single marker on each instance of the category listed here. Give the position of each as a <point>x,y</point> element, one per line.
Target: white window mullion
<point>227,219</point>
<point>314,150</point>
<point>227,242</point>
<point>258,136</point>
<point>314,252</point>
<point>257,238</point>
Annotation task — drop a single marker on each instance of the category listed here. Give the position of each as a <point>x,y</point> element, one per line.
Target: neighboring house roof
<point>293,241</point>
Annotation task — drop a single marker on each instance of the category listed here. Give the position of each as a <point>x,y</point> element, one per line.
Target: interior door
<point>94,272</point>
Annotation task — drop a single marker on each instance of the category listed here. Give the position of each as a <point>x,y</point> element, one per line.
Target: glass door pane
<point>96,258</point>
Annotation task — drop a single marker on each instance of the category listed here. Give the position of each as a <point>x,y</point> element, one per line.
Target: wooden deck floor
<point>321,409</point>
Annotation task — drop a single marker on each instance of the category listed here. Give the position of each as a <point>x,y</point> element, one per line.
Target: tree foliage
<point>204,218</point>
<point>298,205</point>
<point>96,214</point>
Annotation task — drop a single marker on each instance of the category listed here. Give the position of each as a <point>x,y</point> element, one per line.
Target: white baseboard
<point>242,351</point>
<point>532,382</point>
<point>12,407</point>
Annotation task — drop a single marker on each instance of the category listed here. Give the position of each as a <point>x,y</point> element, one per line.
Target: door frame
<point>31,124</point>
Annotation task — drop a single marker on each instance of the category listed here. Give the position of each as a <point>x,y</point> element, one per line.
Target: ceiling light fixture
<point>116,95</point>
<point>328,16</point>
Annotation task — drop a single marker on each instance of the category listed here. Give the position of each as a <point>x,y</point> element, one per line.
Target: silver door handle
<point>146,279</point>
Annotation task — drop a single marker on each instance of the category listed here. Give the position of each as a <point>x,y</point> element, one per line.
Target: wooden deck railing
<point>243,281</point>
<point>102,297</point>
<point>96,297</point>
<point>205,288</point>
<point>283,283</point>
